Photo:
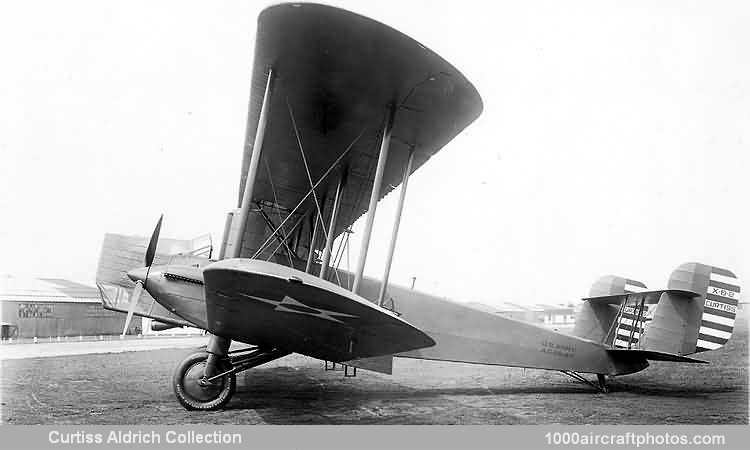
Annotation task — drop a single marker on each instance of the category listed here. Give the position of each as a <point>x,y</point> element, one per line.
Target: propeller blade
<point>151,250</point>
<point>134,296</point>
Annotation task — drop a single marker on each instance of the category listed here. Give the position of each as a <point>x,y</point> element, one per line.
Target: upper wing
<point>335,72</point>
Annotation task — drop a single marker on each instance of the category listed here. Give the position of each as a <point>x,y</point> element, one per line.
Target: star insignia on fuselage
<point>291,305</point>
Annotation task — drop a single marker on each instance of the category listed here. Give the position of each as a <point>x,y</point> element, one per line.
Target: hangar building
<point>51,307</point>
<point>542,314</point>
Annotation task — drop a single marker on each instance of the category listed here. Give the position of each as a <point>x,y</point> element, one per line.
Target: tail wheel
<point>195,394</point>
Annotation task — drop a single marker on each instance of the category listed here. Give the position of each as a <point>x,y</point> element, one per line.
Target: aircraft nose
<point>138,274</point>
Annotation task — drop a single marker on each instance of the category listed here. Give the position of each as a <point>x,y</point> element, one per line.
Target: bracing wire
<point>320,180</point>
<point>284,236</point>
<point>307,168</point>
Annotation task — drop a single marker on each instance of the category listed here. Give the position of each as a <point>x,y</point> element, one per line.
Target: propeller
<point>134,296</point>
<point>151,250</point>
<point>140,286</point>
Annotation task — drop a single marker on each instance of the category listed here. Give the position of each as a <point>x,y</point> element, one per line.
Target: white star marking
<point>289,301</point>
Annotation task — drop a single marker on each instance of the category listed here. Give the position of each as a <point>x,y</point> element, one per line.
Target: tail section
<point>633,318</point>
<point>703,323</point>
<point>695,313</point>
<point>596,321</point>
<point>613,285</point>
<point>719,310</point>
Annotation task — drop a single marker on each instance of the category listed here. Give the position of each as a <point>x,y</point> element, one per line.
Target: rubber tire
<point>191,403</point>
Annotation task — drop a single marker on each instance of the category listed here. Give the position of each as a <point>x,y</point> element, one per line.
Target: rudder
<point>690,325</point>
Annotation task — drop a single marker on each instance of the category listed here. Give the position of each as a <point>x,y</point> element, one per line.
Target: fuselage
<point>462,333</point>
<point>177,288</point>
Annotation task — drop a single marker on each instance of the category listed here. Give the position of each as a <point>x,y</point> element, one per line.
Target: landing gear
<point>207,380</point>
<point>600,385</point>
<point>602,379</point>
<point>192,389</point>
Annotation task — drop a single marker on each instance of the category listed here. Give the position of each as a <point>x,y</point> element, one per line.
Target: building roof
<point>555,308</point>
<point>46,290</point>
<point>508,307</point>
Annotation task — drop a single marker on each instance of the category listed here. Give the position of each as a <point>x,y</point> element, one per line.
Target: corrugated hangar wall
<point>51,319</point>
<point>52,307</point>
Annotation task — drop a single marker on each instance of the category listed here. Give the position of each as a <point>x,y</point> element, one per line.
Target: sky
<point>615,139</point>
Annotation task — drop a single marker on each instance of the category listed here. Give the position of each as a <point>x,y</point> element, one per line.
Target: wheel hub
<point>196,386</point>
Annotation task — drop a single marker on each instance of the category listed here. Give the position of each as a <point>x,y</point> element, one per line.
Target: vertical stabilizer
<point>596,321</point>
<point>684,325</point>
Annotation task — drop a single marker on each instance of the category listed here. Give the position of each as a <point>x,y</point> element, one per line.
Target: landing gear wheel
<point>602,379</point>
<point>194,393</point>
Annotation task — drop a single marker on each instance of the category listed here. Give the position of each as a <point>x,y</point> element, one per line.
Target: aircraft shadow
<point>289,395</point>
<point>668,390</point>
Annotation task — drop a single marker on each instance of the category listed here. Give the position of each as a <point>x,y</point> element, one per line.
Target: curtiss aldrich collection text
<point>144,437</point>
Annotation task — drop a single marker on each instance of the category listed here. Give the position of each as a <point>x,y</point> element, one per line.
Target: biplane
<point>343,109</point>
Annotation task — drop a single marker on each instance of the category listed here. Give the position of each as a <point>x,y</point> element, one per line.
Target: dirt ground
<point>135,388</point>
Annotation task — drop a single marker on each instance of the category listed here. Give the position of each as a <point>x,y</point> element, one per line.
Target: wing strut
<point>332,225</point>
<point>376,186</point>
<point>227,230</point>
<point>396,223</point>
<point>317,217</point>
<point>252,171</point>
<point>343,247</point>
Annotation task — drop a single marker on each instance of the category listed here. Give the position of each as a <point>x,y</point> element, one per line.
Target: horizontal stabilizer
<point>651,297</point>
<point>653,355</point>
